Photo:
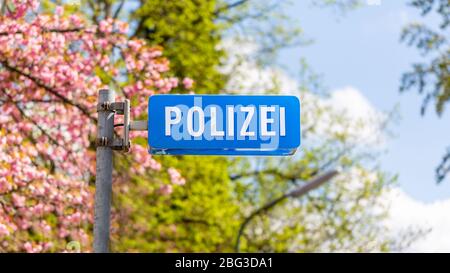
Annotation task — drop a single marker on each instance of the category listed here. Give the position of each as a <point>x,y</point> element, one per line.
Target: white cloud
<point>250,78</point>
<point>364,120</point>
<point>348,112</point>
<point>353,102</point>
<point>405,212</point>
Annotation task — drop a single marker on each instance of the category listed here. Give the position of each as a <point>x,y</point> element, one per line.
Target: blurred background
<point>372,77</point>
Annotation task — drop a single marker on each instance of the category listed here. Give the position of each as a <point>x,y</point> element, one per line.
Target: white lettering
<point>190,121</point>
<point>282,121</point>
<point>220,125</point>
<point>265,121</point>
<point>244,130</point>
<point>214,131</point>
<point>169,120</point>
<point>230,119</point>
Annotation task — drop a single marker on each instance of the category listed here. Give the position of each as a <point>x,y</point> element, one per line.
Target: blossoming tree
<point>51,66</point>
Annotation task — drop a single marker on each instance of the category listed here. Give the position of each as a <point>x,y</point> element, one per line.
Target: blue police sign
<point>223,124</point>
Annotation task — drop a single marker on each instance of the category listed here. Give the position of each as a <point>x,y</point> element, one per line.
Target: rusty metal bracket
<point>115,143</point>
<point>119,108</point>
<point>101,142</point>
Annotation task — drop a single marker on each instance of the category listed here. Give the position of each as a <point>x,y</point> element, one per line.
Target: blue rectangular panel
<point>223,125</point>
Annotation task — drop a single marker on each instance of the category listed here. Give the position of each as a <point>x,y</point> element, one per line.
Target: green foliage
<point>197,217</point>
<point>189,35</point>
<point>345,214</point>
<point>264,23</point>
<point>432,76</point>
<point>340,5</point>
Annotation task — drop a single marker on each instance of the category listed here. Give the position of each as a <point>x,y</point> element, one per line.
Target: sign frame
<point>270,108</point>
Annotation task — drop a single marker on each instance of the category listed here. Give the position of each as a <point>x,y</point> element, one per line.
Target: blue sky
<point>362,50</point>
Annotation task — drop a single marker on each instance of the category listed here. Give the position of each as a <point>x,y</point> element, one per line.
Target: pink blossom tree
<point>51,66</point>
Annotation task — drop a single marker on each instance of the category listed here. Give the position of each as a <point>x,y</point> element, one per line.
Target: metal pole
<point>103,179</point>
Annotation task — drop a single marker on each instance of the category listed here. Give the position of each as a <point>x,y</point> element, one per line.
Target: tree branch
<point>309,186</point>
<point>49,89</point>
<point>32,121</point>
<point>119,8</point>
<point>444,168</point>
<point>30,101</point>
<point>229,6</point>
<point>46,31</point>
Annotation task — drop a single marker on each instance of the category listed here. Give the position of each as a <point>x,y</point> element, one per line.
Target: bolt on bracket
<point>120,108</point>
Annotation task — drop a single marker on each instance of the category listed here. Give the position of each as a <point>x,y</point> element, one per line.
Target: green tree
<point>347,213</point>
<point>189,35</point>
<point>431,77</point>
<point>198,217</point>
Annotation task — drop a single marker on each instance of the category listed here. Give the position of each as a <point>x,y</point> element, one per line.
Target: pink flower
<point>18,201</point>
<point>35,5</point>
<point>105,26</point>
<point>28,247</point>
<point>175,177</point>
<point>4,231</point>
<point>4,185</point>
<point>19,11</point>
<point>122,27</point>
<point>64,61</point>
<point>166,190</point>
<point>59,11</point>
<point>188,83</point>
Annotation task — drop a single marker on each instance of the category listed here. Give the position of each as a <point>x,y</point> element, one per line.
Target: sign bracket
<point>120,143</point>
